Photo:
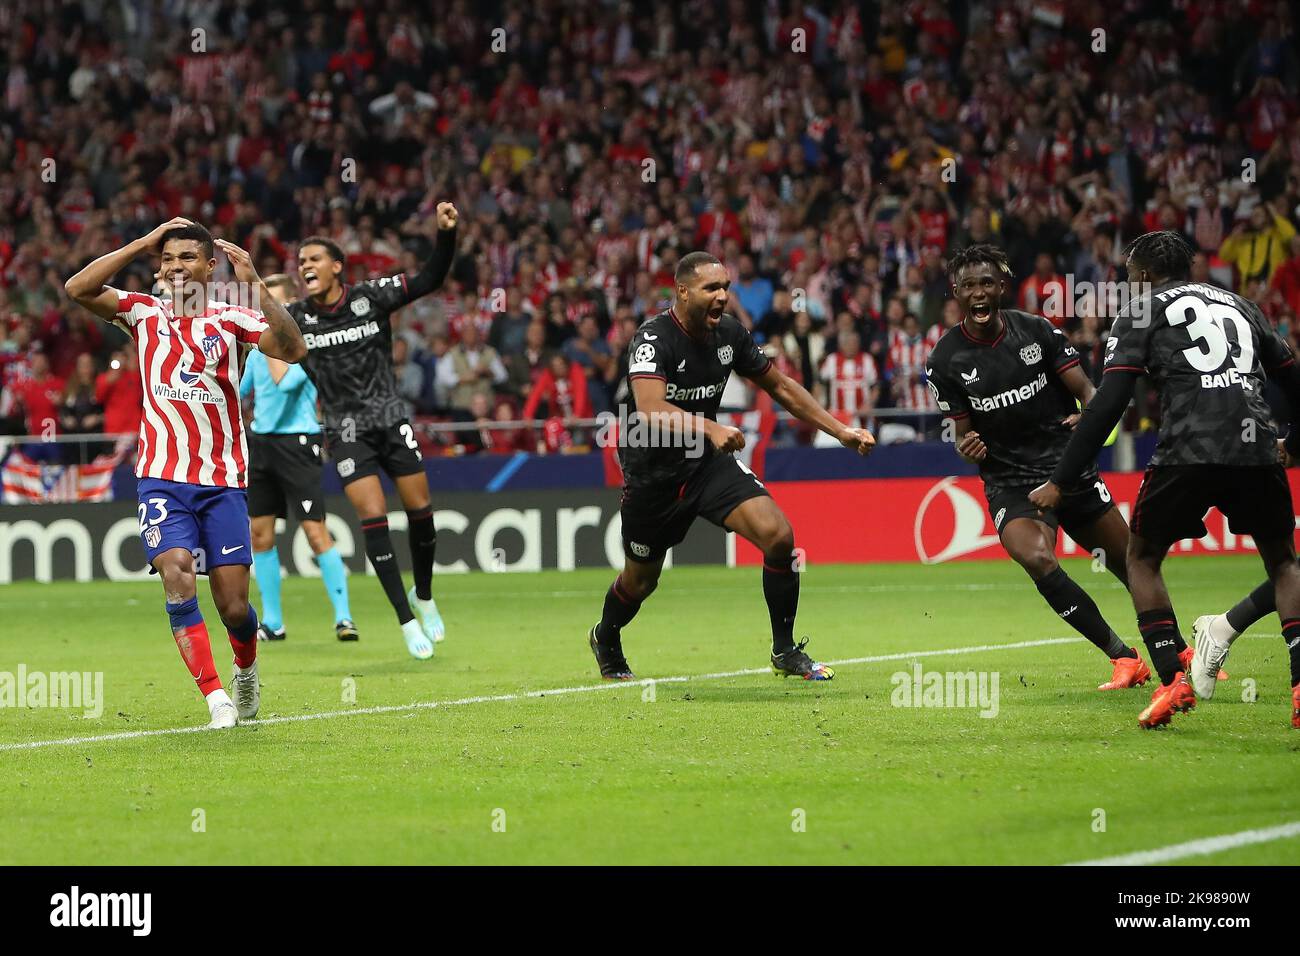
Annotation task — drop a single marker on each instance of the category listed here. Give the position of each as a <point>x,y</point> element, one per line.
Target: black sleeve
<point>1096,423</point>
<point>1287,377</point>
<point>436,268</point>
<point>749,358</point>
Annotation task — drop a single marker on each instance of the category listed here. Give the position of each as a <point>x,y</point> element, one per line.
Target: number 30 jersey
<point>1207,353</point>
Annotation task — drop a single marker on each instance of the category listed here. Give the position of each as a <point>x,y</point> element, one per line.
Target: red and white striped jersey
<point>849,381</point>
<point>191,431</point>
<point>907,357</point>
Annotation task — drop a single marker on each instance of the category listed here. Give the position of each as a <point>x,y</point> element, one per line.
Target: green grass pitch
<point>722,769</point>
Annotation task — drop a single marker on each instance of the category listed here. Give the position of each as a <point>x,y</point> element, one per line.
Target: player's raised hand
<point>240,260</point>
<point>859,439</point>
<point>155,236</point>
<point>971,447</point>
<point>1045,497</point>
<point>725,438</point>
<point>447,215</point>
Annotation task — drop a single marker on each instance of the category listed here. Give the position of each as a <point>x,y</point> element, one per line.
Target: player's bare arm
<point>1080,387</point>
<point>797,400</point>
<point>283,340</point>
<point>651,400</point>
<point>89,287</point>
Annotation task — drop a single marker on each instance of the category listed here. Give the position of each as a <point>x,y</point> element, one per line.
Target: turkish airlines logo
<point>942,533</point>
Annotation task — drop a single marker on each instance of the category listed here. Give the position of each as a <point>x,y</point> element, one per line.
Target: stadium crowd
<point>830,153</point>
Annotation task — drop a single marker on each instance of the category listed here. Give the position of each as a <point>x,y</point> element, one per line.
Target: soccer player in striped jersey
<point>192,457</point>
<point>285,443</point>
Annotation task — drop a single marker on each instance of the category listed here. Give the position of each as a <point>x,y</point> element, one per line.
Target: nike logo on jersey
<point>231,550</point>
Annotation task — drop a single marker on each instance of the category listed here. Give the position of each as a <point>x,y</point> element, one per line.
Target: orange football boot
<point>1169,699</point>
<point>1129,672</point>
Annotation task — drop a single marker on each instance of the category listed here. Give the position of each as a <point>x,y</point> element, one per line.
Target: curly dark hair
<point>980,252</point>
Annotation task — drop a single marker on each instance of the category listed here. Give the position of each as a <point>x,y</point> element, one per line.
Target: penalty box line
<point>522,695</point>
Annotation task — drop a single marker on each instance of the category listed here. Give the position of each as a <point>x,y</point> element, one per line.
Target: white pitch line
<point>523,695</point>
<point>1202,847</point>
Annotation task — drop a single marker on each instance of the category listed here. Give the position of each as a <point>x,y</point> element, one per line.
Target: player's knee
<point>318,537</point>
<point>1039,562</point>
<point>263,538</point>
<point>639,586</point>
<point>177,575</point>
<point>779,542</point>
<point>233,611</point>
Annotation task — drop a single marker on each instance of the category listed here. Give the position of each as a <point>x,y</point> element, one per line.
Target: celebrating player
<point>192,454</point>
<point>680,361</point>
<point>285,472</point>
<point>350,359</point>
<point>1207,353</point>
<point>1009,381</point>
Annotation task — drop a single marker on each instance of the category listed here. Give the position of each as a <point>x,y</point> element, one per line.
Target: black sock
<point>781,589</point>
<point>1291,634</point>
<point>1255,606</point>
<point>1078,610</point>
<point>379,549</point>
<point>619,609</point>
<point>424,543</point>
<point>1160,632</point>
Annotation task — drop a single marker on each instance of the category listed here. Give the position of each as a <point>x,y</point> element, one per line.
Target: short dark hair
<point>973,255</point>
<point>193,231</point>
<point>689,263</point>
<point>1165,254</point>
<point>330,245</point>
<point>280,278</point>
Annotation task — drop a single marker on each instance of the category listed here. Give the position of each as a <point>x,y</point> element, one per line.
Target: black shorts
<point>657,517</point>
<point>392,450</point>
<point>1173,499</point>
<point>284,471</point>
<point>1080,507</point>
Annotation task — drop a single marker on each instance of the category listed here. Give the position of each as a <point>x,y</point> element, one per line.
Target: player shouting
<point>350,359</point>
<point>680,361</point>
<point>285,473</point>
<point>1009,381</point>
<point>192,460</point>
<point>1207,352</point>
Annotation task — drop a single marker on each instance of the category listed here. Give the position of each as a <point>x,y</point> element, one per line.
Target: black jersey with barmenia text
<point>350,353</point>
<point>694,372</point>
<point>1206,352</point>
<point>1011,389</point>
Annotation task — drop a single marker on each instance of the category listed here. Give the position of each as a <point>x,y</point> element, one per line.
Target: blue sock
<point>335,576</point>
<point>184,614</point>
<point>266,566</point>
<point>248,630</point>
